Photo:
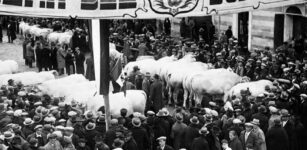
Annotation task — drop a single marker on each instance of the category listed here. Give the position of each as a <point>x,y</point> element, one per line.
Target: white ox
<point>60,37</point>
<point>179,73</point>
<point>134,101</point>
<point>255,88</point>
<point>77,88</point>
<point>212,82</point>
<point>8,67</point>
<point>28,78</point>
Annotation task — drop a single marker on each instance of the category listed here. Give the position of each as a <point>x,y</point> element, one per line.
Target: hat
<point>90,126</point>
<point>160,114</point>
<point>10,112</point>
<point>114,122</point>
<point>273,109</point>
<point>21,93</point>
<point>136,122</point>
<point>33,141</point>
<point>24,114</point>
<point>89,115</point>
<point>72,113</point>
<point>52,136</point>
<point>38,127</point>
<point>284,113</point>
<point>60,127</point>
<point>8,135</point>
<point>303,96</point>
<point>286,69</point>
<point>69,129</point>
<point>28,121</point>
<point>17,113</point>
<point>150,113</point>
<point>136,68</point>
<point>101,119</point>
<point>38,104</point>
<point>118,143</point>
<point>194,120</point>
<point>161,138</point>
<point>203,130</point>
<point>45,112</point>
<point>2,137</point>
<point>214,113</point>
<point>236,121</point>
<point>255,122</point>
<point>248,124</point>
<point>165,111</point>
<point>37,119</point>
<point>213,104</point>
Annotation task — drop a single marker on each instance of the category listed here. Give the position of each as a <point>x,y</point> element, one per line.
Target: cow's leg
<point>185,97</point>
<point>199,98</point>
<point>169,95</point>
<point>175,95</point>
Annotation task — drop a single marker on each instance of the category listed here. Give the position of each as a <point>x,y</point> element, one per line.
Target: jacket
<point>251,141</point>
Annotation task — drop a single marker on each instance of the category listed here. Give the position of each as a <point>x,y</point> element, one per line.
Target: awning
<point>130,9</point>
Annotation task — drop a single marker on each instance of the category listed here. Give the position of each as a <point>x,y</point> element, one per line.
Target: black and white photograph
<point>153,74</point>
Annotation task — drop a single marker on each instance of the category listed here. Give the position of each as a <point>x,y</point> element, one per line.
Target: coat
<point>263,121</point>
<point>251,141</point>
<point>27,130</point>
<point>141,137</point>
<point>130,145</point>
<point>277,139</point>
<point>156,95</point>
<point>42,141</point>
<point>80,63</point>
<point>56,146</point>
<point>90,137</point>
<point>29,51</point>
<point>61,54</point>
<point>260,138</point>
<point>167,147</point>
<point>177,133</point>
<point>289,127</point>
<point>189,134</point>
<point>200,143</point>
<point>235,144</point>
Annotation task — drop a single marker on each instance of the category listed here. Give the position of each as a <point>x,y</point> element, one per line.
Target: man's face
<point>82,144</point>
<point>162,143</point>
<point>231,137</point>
<point>39,131</point>
<point>248,128</point>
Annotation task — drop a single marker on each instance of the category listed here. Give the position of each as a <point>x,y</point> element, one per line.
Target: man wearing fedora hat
<point>178,130</point>
<point>201,143</point>
<point>191,132</point>
<point>140,134</point>
<point>261,145</point>
<point>90,134</point>
<point>27,128</point>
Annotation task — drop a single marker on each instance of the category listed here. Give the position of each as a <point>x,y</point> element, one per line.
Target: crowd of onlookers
<point>275,120</point>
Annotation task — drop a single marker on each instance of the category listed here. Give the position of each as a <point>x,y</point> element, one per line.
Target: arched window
<point>293,10</point>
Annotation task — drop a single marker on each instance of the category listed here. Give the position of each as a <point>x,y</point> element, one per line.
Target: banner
<point>112,9</point>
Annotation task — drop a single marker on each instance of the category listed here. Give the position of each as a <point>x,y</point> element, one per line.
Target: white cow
<point>213,82</point>
<point>255,88</point>
<point>8,67</point>
<point>28,78</point>
<point>134,101</point>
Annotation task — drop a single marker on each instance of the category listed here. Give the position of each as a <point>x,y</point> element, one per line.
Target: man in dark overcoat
<point>156,93</point>
<point>277,138</point>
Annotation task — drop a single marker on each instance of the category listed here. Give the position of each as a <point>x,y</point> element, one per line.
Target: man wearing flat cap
<point>248,138</point>
<point>162,144</point>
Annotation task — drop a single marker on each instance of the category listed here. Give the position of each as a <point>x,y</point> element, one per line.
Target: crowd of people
<point>275,120</point>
